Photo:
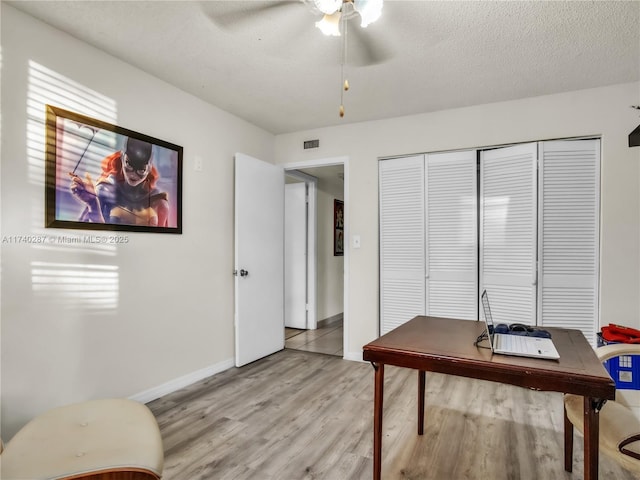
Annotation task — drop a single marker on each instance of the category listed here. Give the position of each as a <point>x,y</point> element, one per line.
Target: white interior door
<point>568,238</point>
<point>508,234</point>
<point>295,255</point>
<point>259,259</point>
<point>451,220</point>
<point>402,256</point>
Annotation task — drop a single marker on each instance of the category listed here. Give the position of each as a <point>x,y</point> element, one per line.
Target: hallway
<point>327,338</point>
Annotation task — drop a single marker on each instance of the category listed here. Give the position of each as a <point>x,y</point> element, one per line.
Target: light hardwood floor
<point>327,338</point>
<point>299,415</point>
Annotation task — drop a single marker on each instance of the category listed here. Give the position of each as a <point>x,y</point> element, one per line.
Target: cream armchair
<point>619,427</point>
<point>110,439</point>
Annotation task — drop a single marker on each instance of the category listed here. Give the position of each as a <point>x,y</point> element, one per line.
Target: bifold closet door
<point>508,234</point>
<point>402,264</point>
<point>569,232</point>
<point>452,235</point>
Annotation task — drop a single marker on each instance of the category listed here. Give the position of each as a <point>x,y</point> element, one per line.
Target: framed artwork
<point>104,177</point>
<point>338,228</point>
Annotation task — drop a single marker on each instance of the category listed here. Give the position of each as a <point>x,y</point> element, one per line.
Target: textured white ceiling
<point>278,71</point>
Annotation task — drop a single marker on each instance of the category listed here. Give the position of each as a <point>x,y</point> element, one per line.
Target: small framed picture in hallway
<point>338,228</point>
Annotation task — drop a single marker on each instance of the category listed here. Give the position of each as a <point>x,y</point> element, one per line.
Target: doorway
<point>325,328</point>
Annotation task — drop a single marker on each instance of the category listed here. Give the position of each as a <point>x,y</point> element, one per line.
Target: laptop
<point>518,345</point>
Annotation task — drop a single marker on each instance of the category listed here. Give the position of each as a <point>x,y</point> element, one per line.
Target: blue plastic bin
<point>625,369</point>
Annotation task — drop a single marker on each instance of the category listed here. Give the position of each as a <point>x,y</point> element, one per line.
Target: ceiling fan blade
<point>233,15</point>
<point>364,47</point>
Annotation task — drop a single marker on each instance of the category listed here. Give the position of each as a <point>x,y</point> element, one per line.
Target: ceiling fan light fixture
<point>330,24</point>
<point>369,10</point>
<point>328,7</point>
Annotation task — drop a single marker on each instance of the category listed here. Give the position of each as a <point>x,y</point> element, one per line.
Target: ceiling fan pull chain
<point>346,81</point>
<point>344,86</point>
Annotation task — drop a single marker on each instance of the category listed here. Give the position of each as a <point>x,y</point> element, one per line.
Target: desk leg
<point>591,438</point>
<point>568,442</point>
<point>377,421</point>
<point>421,389</point>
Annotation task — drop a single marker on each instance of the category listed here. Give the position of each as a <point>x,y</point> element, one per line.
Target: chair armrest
<point>617,349</point>
<point>627,441</point>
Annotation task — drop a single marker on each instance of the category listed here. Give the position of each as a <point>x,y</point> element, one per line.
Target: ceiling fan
<point>333,18</point>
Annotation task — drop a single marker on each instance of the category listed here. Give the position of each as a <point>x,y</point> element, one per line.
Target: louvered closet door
<point>569,191</point>
<point>402,270</point>
<point>508,231</point>
<point>452,235</point>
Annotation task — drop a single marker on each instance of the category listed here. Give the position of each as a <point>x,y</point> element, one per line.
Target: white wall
<point>330,267</point>
<point>172,318</point>
<point>601,111</point>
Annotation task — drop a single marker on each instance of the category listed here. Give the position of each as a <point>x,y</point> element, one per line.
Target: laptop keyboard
<point>515,343</point>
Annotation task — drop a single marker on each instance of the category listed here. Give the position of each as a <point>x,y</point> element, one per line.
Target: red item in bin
<point>621,334</point>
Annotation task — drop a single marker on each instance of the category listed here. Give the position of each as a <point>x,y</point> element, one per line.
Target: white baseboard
<point>181,382</point>
<point>354,356</point>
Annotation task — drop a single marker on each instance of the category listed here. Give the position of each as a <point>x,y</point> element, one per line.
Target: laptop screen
<point>487,317</point>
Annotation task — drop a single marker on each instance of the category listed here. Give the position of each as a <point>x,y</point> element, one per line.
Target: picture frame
<point>338,228</point>
<point>101,176</point>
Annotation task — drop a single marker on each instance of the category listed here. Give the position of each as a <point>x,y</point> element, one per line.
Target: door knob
<point>244,273</point>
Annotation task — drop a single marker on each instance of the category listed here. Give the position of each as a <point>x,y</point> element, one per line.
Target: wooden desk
<point>447,346</point>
